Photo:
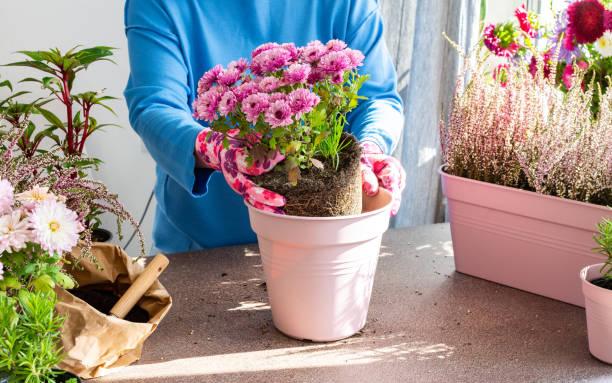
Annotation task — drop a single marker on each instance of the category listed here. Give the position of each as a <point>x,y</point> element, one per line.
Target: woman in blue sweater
<point>173,42</point>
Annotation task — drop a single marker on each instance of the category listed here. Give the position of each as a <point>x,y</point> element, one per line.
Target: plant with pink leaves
<point>287,99</point>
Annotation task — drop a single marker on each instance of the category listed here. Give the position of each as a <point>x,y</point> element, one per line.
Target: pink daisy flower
<point>263,48</point>
<point>241,65</point>
<point>270,60</point>
<point>355,56</point>
<point>277,96</point>
<point>335,45</point>
<point>334,62</point>
<point>55,226</point>
<point>269,84</point>
<point>302,101</point>
<point>568,73</point>
<point>253,105</point>
<point>14,232</point>
<point>313,51</point>
<point>227,104</point>
<point>245,89</point>
<point>229,76</point>
<point>209,78</point>
<point>6,196</point>
<point>279,114</point>
<point>296,73</point>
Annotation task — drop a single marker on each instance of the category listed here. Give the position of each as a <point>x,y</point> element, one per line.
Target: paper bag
<point>94,343</point>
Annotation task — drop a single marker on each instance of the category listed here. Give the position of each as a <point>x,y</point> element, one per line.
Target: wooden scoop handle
<point>140,286</point>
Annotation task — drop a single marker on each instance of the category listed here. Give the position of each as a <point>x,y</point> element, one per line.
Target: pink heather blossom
<point>313,51</point>
<point>55,226</point>
<point>335,45</point>
<point>227,104</point>
<point>245,89</point>
<point>263,48</point>
<point>523,18</point>
<point>499,73</point>
<point>209,78</point>
<point>270,60</point>
<point>568,73</point>
<point>355,56</point>
<point>6,196</point>
<point>14,231</point>
<point>253,105</point>
<point>241,65</point>
<point>277,96</point>
<point>279,114</point>
<point>302,101</point>
<point>296,73</point>
<point>334,62</point>
<point>269,84</point>
<point>229,76</point>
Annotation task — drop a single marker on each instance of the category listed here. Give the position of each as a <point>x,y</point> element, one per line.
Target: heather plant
<point>526,133</point>
<point>287,99</point>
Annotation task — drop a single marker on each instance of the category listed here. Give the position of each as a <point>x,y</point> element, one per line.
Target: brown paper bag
<point>95,343</point>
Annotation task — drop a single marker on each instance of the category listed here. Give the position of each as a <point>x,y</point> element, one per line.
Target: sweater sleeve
<point>379,118</point>
<point>157,94</point>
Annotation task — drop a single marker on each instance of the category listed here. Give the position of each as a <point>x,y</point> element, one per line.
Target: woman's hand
<point>380,170</point>
<point>232,163</point>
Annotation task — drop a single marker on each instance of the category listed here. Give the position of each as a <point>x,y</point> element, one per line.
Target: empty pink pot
<point>598,304</point>
<point>319,271</point>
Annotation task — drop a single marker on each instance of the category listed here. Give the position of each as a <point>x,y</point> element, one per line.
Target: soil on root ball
<point>601,282</point>
<point>327,192</point>
<point>103,300</point>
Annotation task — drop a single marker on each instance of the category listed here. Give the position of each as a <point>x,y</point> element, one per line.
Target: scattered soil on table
<point>104,300</point>
<point>326,192</point>
<point>601,282</point>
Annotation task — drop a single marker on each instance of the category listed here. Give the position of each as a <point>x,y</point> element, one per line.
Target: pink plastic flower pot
<point>598,313</point>
<point>319,271</point>
<point>522,239</point>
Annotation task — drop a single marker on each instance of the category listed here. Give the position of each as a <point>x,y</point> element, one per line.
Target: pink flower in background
<point>30,198</point>
<point>204,107</point>
<point>533,67</point>
<point>269,84</point>
<point>241,64</point>
<point>263,48</point>
<point>6,196</point>
<point>494,43</point>
<point>500,74</point>
<point>334,62</point>
<point>523,18</point>
<point>227,104</point>
<point>270,60</point>
<point>14,231</point>
<point>253,105</point>
<point>296,73</point>
<point>279,114</point>
<point>586,20</point>
<point>313,51</point>
<point>291,50</point>
<point>55,226</point>
<point>229,76</point>
<point>568,73</point>
<point>209,78</point>
<point>277,96</point>
<point>356,57</point>
<point>302,101</point>
<point>245,89</point>
<point>315,76</point>
<point>335,45</point>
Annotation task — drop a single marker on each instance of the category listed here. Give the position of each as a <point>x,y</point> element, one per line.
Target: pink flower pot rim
<point>584,272</point>
<point>300,218</point>
<point>526,192</point>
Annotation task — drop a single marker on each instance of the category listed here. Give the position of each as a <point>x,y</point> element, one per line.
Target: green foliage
<point>604,240</point>
<point>29,337</point>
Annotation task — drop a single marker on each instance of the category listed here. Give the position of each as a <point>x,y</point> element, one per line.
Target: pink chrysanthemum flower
<point>229,76</point>
<point>337,78</point>
<point>6,196</point>
<point>227,104</point>
<point>263,48</point>
<point>253,105</point>
<point>356,57</point>
<point>209,78</point>
<point>302,101</point>
<point>523,19</point>
<point>245,89</point>
<point>586,20</point>
<point>204,107</point>
<point>14,231</point>
<point>494,43</point>
<point>313,51</point>
<point>279,114</point>
<point>55,226</point>
<point>296,73</point>
<point>270,60</point>
<point>278,96</point>
<point>315,76</point>
<point>568,73</point>
<point>334,62</point>
<point>269,84</point>
<point>30,198</point>
<point>533,65</point>
<point>335,45</point>
<point>241,65</point>
<point>292,50</point>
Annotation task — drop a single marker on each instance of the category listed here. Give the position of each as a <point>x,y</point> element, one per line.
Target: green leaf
<point>43,283</point>
<point>33,64</point>
<point>64,280</point>
<point>10,282</point>
<point>6,83</point>
<point>52,118</point>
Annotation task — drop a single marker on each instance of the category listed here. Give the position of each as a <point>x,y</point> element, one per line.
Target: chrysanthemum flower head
<point>586,20</point>
<point>524,22</point>
<point>603,45</point>
<point>6,196</point>
<point>504,48</point>
<point>279,114</point>
<point>14,231</point>
<point>55,226</point>
<point>30,198</point>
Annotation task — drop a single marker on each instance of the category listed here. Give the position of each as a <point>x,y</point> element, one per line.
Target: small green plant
<point>29,337</point>
<point>604,240</point>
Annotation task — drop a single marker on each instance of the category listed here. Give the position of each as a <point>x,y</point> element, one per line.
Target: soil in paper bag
<point>103,301</point>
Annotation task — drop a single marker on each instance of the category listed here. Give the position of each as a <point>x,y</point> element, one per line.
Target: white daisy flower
<point>604,44</point>
<point>6,196</point>
<point>35,195</point>
<point>14,232</point>
<point>55,226</point>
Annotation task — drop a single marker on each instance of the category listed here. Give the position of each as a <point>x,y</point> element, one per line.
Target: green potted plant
<point>597,289</point>
<point>528,158</point>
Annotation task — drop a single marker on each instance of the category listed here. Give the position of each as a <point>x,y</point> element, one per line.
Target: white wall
<point>41,24</point>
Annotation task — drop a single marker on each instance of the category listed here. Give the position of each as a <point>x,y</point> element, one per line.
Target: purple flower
<point>269,84</point>
<point>334,62</point>
<point>229,76</point>
<point>296,73</point>
<point>302,101</point>
<point>313,51</point>
<point>227,104</point>
<point>568,50</point>
<point>279,114</point>
<point>245,89</point>
<point>209,78</point>
<point>253,105</point>
<point>335,45</point>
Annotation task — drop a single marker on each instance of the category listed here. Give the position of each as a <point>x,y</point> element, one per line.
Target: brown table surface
<point>427,323</point>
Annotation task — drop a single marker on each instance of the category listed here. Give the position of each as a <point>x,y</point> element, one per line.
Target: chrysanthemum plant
<point>287,99</point>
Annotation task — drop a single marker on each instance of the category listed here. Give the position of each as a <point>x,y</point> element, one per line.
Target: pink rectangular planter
<point>521,239</point>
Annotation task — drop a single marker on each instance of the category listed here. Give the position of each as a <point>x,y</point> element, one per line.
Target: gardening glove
<point>380,170</point>
<point>232,163</point>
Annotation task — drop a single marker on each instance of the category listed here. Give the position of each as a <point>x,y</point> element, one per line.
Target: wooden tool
<point>140,286</point>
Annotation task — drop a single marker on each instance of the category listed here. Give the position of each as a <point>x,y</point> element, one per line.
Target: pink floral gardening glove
<point>380,170</point>
<point>232,163</point>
